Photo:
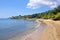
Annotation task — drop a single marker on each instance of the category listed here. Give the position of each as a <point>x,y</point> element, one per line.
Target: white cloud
<point>38,3</point>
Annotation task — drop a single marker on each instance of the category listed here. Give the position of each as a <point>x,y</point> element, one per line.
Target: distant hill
<point>50,14</point>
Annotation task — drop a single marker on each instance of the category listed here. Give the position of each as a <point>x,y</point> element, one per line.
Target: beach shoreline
<point>51,32</point>
<point>45,30</point>
<point>31,32</point>
<point>34,35</point>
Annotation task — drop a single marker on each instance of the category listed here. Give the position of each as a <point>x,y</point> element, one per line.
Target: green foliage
<point>57,16</point>
<point>50,14</point>
<point>16,17</point>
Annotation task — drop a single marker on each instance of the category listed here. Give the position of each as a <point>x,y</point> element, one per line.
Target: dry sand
<point>51,32</point>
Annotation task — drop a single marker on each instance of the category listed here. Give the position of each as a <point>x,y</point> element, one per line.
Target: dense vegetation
<point>50,14</point>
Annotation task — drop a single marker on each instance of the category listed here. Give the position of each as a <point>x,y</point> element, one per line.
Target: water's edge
<point>38,26</point>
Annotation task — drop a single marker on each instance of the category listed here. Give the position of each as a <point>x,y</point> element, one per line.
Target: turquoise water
<point>11,27</point>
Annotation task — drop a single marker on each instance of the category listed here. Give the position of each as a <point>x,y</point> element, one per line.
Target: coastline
<point>51,32</point>
<point>35,35</point>
<point>31,32</point>
<point>45,30</point>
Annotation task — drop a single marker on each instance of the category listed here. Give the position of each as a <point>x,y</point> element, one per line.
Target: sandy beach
<point>51,32</point>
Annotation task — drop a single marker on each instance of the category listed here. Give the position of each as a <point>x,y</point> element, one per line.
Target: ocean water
<point>11,27</point>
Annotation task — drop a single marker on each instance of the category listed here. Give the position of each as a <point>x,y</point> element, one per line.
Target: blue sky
<point>10,8</point>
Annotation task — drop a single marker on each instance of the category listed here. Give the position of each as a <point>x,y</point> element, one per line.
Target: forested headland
<point>50,14</point>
